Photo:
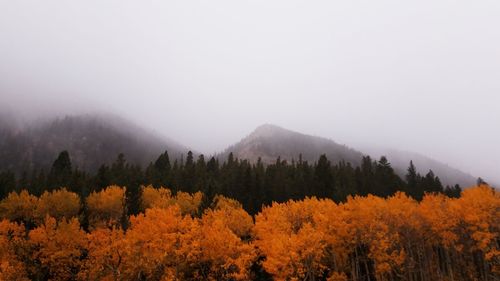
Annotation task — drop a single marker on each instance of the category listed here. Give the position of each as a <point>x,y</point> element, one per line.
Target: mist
<point>418,76</point>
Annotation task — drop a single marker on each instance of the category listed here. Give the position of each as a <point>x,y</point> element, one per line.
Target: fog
<point>421,76</point>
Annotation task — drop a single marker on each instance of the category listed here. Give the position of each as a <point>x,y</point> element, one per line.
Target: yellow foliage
<point>19,207</point>
<point>220,250</point>
<point>58,204</point>
<point>286,234</point>
<point>395,238</point>
<point>106,207</point>
<point>189,204</point>
<point>59,247</point>
<point>232,214</point>
<point>105,255</point>
<point>152,242</point>
<point>11,240</point>
<point>155,197</point>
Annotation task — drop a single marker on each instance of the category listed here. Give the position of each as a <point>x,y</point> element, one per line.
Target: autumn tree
<point>152,244</point>
<point>58,248</point>
<point>106,254</point>
<point>19,207</point>
<point>286,235</point>
<point>106,207</point>
<point>12,241</point>
<point>58,204</point>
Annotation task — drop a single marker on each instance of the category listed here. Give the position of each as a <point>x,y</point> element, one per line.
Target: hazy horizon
<point>421,77</point>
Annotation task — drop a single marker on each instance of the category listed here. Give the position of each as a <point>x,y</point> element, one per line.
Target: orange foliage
<point>106,207</point>
<point>364,238</point>
<point>286,234</point>
<point>232,214</point>
<point>155,197</point>
<point>162,198</point>
<point>19,207</point>
<point>58,204</point>
<point>152,243</point>
<point>58,248</point>
<point>11,240</point>
<point>105,255</point>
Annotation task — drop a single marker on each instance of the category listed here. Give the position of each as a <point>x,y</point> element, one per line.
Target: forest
<point>57,236</point>
<point>205,220</point>
<point>251,184</point>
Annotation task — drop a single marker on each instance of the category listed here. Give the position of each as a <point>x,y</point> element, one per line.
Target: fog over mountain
<point>269,142</point>
<point>91,140</point>
<point>419,77</point>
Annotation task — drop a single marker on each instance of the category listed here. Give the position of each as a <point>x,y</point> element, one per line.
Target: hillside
<point>269,142</point>
<point>400,159</point>
<point>90,139</point>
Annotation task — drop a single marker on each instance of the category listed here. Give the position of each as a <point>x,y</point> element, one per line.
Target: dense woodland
<point>253,185</point>
<point>285,221</point>
<point>175,236</point>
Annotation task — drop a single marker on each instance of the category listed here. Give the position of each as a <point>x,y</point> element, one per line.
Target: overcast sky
<point>418,75</point>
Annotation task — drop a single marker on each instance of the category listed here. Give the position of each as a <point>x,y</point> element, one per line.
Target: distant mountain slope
<point>401,159</point>
<point>270,141</point>
<point>90,139</point>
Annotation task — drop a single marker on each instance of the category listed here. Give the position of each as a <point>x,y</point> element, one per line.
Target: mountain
<point>270,142</point>
<point>401,159</point>
<point>91,140</point>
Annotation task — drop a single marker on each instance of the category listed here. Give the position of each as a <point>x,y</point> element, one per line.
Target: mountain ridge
<point>95,139</point>
<point>91,140</point>
<point>268,142</point>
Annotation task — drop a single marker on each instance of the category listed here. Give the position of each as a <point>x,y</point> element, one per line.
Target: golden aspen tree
<point>217,252</point>
<point>12,240</point>
<point>479,210</point>
<point>232,214</point>
<point>155,197</point>
<point>189,203</point>
<point>106,207</point>
<point>105,260</point>
<point>58,204</point>
<point>287,237</point>
<point>58,248</point>
<point>331,219</point>
<point>152,243</point>
<point>371,233</point>
<point>218,247</point>
<point>19,207</point>
<point>162,198</point>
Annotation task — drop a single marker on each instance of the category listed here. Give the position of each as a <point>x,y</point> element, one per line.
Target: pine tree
<point>7,183</point>
<point>413,182</point>
<point>162,170</point>
<point>323,178</point>
<point>188,175</point>
<point>61,171</point>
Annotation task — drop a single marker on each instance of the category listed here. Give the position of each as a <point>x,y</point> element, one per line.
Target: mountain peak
<point>269,141</point>
<point>268,130</point>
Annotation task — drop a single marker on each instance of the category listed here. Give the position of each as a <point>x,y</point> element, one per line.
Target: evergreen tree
<point>367,176</point>
<point>413,182</point>
<point>7,183</point>
<point>453,191</point>
<point>188,175</point>
<point>386,181</point>
<point>61,172</point>
<point>162,171</point>
<point>323,178</point>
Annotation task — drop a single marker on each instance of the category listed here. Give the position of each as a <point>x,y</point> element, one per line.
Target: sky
<point>421,76</point>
